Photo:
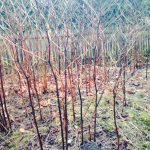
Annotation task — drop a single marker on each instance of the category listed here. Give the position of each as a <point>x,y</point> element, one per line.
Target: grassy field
<point>133,120</point>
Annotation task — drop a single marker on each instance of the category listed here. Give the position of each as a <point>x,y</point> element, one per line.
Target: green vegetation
<point>143,118</point>
<point>18,139</point>
<point>74,71</point>
<point>146,144</point>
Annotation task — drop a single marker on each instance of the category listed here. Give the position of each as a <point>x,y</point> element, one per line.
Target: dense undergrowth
<point>74,75</point>
<point>133,122</point>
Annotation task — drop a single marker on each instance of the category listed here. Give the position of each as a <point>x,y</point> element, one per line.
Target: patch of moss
<point>105,99</point>
<point>139,95</point>
<point>88,116</point>
<point>108,128</point>
<point>43,128</point>
<point>143,118</point>
<point>17,133</point>
<point>27,138</point>
<point>16,141</point>
<point>145,144</point>
<point>11,146</point>
<point>56,121</point>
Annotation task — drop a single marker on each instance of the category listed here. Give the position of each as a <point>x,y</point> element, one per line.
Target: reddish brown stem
<point>89,127</point>
<point>2,87</point>
<point>33,112</point>
<point>72,95</point>
<point>81,116</point>
<point>114,106</point>
<point>94,77</point>
<point>22,95</point>
<point>3,112</point>
<point>35,87</point>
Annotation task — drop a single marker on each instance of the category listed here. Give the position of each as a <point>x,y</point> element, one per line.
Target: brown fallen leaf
<point>44,103</point>
<point>118,97</point>
<point>143,90</point>
<point>136,84</point>
<point>38,117</point>
<point>22,130</point>
<point>37,107</point>
<point>62,95</point>
<point>90,94</point>
<point>69,99</point>
<point>6,93</point>
<point>130,92</point>
<point>55,114</point>
<point>53,87</point>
